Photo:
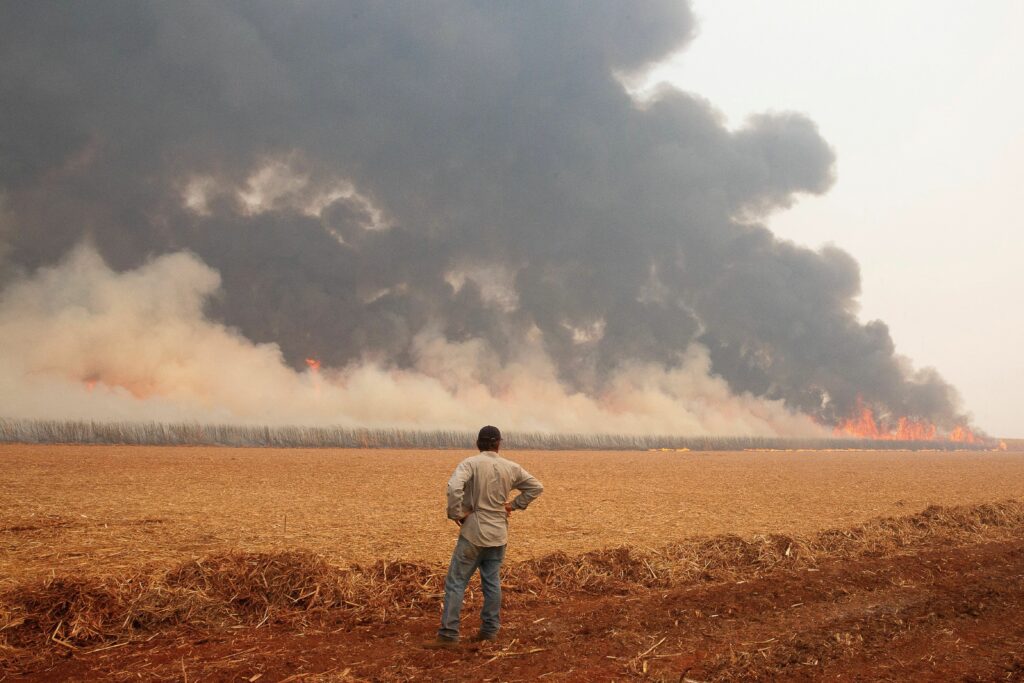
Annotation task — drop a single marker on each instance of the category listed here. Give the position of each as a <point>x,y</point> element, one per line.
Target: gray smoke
<point>360,172</point>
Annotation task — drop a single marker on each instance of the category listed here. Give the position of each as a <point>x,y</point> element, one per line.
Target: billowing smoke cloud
<point>144,349</point>
<point>456,207</point>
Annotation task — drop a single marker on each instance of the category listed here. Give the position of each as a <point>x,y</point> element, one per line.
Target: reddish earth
<point>940,614</point>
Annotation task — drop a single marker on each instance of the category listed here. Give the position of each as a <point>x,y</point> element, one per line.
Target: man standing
<point>478,502</point>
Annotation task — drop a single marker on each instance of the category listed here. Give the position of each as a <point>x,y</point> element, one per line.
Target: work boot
<point>484,637</point>
<point>442,643</point>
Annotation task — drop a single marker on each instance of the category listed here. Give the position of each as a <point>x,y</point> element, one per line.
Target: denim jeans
<point>466,559</point>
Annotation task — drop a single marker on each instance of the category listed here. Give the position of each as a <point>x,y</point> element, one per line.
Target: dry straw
<point>85,613</point>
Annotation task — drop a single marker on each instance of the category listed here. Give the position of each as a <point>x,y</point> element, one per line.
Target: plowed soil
<point>98,509</point>
<point>940,614</point>
<point>940,598</point>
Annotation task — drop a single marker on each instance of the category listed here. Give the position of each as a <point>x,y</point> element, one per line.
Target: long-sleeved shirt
<point>479,488</point>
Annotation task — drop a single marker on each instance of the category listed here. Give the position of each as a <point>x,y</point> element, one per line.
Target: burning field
<point>214,564</point>
<point>326,245</point>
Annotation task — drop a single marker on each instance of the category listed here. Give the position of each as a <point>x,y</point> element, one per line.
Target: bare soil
<point>93,510</point>
<point>595,589</point>
<point>938,614</point>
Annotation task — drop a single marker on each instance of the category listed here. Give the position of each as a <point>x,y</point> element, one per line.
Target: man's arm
<point>456,490</point>
<point>529,489</point>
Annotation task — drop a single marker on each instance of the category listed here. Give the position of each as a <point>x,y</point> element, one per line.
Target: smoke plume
<point>456,208</point>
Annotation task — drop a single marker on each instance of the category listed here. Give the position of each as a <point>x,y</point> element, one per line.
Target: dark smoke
<point>505,182</point>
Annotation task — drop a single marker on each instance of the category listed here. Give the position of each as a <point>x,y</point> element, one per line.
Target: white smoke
<point>82,341</point>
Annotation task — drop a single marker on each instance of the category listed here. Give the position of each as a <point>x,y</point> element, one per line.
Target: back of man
<point>485,481</point>
<point>478,502</point>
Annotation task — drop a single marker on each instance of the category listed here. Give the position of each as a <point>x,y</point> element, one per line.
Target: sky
<point>922,105</point>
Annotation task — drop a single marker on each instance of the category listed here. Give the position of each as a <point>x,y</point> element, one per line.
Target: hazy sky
<point>923,106</point>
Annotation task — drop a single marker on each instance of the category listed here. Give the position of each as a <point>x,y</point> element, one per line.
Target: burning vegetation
<point>865,425</point>
<point>578,263</point>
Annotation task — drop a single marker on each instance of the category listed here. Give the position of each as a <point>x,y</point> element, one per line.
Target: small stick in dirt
<point>107,647</point>
<point>59,641</point>
<point>651,648</point>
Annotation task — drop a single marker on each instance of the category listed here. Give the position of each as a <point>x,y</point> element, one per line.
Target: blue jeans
<point>466,559</point>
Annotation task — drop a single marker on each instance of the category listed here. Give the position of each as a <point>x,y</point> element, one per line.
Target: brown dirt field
<point>936,612</point>
<point>146,563</point>
<point>97,509</point>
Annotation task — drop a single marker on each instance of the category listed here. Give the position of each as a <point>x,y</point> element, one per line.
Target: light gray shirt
<point>479,488</point>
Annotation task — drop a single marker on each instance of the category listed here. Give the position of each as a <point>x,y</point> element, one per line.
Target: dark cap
<point>489,433</point>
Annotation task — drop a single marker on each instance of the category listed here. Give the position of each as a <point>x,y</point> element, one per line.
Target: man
<point>477,501</point>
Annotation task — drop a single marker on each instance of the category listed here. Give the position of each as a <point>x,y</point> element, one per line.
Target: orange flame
<point>314,368</point>
<point>964,435</point>
<point>864,425</point>
<point>914,430</point>
<point>90,384</point>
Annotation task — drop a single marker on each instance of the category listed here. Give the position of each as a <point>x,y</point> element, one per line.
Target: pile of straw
<point>216,592</point>
<point>729,557</point>
<point>301,588</point>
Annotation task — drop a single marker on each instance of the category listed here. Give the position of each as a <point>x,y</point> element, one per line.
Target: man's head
<point>489,439</point>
